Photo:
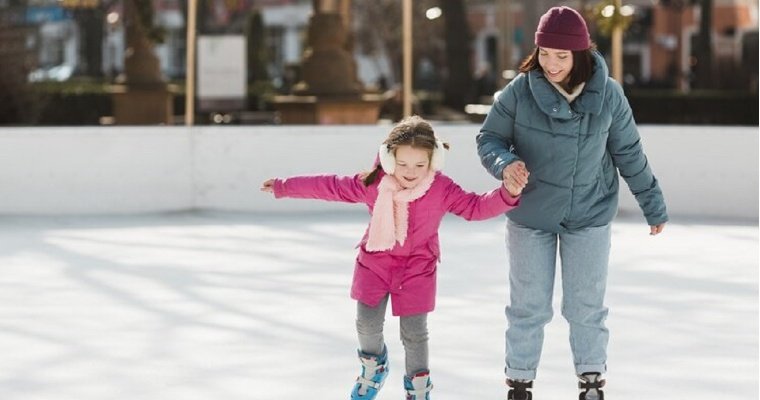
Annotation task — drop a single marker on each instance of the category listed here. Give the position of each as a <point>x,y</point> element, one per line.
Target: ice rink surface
<point>228,306</point>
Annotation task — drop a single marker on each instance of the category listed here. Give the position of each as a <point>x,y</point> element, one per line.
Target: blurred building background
<point>684,61</point>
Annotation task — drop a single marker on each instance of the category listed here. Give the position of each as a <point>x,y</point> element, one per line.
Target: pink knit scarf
<point>390,214</point>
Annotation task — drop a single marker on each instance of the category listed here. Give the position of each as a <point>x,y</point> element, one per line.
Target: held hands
<point>655,229</point>
<point>267,186</point>
<point>515,177</point>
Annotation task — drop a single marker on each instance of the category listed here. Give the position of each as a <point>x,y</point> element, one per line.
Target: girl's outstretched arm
<point>267,186</point>
<point>349,189</point>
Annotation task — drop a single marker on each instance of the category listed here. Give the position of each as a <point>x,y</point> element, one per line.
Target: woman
<point>571,126</point>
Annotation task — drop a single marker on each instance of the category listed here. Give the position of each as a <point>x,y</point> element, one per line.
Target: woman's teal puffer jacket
<point>573,152</point>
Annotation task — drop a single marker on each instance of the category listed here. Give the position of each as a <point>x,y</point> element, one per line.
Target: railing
<point>709,171</point>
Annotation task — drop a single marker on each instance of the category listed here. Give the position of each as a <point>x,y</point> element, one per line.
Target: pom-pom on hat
<point>562,28</point>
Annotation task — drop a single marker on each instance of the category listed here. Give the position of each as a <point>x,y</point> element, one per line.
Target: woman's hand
<point>515,177</point>
<point>655,229</point>
<point>267,186</point>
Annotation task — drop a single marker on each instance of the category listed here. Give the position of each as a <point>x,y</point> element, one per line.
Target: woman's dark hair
<point>583,65</point>
<point>411,131</point>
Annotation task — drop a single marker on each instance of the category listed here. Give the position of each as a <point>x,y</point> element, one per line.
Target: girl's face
<point>557,64</point>
<point>412,165</point>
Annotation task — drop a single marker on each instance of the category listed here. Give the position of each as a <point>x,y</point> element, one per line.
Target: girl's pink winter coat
<point>407,272</point>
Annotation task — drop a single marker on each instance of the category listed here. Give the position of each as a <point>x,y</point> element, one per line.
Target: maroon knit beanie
<point>562,28</point>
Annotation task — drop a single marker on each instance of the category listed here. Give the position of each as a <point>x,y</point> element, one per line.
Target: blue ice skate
<point>418,386</point>
<point>374,372</point>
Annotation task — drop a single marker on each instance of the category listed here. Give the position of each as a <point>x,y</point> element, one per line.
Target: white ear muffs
<point>387,159</point>
<point>439,156</point>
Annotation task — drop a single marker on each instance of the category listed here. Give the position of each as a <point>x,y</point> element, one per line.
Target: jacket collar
<point>556,106</point>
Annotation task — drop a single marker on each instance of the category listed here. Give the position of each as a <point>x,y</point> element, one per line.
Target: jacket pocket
<point>606,174</point>
<point>434,249</point>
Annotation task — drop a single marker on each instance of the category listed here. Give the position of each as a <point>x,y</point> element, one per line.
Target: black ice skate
<point>591,385</point>
<point>519,389</point>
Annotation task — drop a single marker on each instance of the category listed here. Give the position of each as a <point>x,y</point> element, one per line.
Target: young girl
<point>407,197</point>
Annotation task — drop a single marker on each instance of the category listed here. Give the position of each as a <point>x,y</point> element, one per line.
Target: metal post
<point>509,27</point>
<point>407,50</point>
<point>504,18</point>
<point>617,45</point>
<point>345,12</point>
<point>192,13</point>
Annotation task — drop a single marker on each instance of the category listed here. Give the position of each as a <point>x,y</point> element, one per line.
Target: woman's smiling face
<point>557,64</point>
<point>412,165</point>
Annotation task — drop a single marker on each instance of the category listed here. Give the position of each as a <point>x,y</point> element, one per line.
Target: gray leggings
<point>414,334</point>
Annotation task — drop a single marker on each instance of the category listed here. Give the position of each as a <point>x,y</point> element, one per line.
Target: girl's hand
<point>513,189</point>
<point>515,177</point>
<point>655,229</point>
<point>267,186</point>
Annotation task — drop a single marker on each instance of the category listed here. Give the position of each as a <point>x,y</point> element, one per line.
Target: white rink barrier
<point>705,171</point>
